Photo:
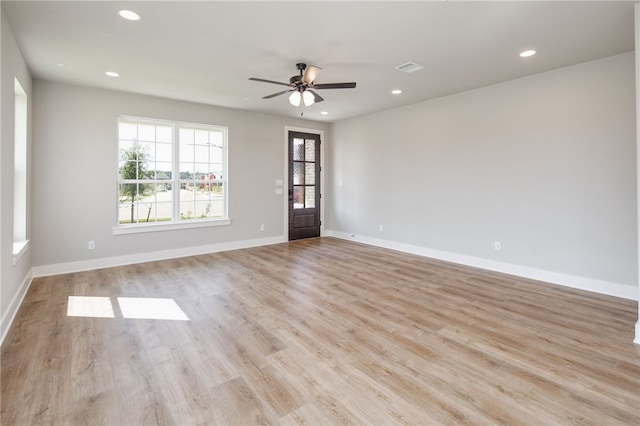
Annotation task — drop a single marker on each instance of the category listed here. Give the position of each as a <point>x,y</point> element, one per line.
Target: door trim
<point>285,174</point>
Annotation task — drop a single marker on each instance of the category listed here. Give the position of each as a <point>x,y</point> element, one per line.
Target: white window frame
<point>175,181</point>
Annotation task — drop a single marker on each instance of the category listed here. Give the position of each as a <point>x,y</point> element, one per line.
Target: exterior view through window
<point>171,172</point>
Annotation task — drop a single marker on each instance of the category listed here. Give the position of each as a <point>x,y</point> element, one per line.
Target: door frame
<point>287,129</point>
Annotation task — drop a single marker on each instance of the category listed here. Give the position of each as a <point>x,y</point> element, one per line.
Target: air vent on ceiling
<point>409,67</point>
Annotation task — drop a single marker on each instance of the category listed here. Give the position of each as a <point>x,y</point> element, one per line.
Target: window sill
<point>19,249</point>
<point>159,227</point>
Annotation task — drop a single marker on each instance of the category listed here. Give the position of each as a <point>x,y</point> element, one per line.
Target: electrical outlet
<point>262,227</point>
<point>497,246</point>
<point>381,228</point>
<point>91,245</point>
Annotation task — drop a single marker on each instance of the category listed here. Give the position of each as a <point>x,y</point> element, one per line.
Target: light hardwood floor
<point>321,332</point>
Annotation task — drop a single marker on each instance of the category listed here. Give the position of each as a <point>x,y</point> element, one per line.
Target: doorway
<point>304,185</point>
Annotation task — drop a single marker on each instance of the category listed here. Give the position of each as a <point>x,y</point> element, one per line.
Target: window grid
<point>171,172</point>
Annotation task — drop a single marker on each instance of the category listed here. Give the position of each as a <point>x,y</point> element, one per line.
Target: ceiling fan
<point>302,87</point>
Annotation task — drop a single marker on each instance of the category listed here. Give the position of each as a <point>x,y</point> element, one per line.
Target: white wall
<point>14,279</point>
<point>545,165</point>
<point>75,170</point>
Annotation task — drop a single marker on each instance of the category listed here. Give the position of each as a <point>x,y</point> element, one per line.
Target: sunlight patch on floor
<point>90,306</point>
<point>151,308</point>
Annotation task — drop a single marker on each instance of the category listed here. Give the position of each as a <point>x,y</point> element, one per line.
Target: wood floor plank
<point>320,331</point>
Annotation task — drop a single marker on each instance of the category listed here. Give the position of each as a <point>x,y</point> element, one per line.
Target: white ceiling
<point>205,51</point>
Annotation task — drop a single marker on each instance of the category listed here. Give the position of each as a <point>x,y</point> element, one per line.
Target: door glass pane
<point>310,150</point>
<point>310,173</point>
<point>298,197</point>
<point>298,149</point>
<point>298,173</point>
<point>310,197</point>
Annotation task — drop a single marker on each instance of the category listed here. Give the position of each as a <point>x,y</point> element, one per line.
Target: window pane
<point>125,146</point>
<point>186,136</point>
<point>163,152</point>
<point>203,209</point>
<point>216,138</point>
<point>310,150</point>
<point>127,131</point>
<point>128,169</point>
<point>298,149</point>
<point>146,170</point>
<point>217,207</point>
<point>298,173</point>
<point>216,169</point>
<point>125,212</point>
<point>215,154</point>
<point>298,197</point>
<point>187,152</point>
<point>201,153</point>
<point>186,170</point>
<point>146,132</point>
<point>186,210</point>
<point>146,150</point>
<point>201,137</point>
<point>310,197</point>
<point>310,173</point>
<point>163,171</point>
<point>164,134</point>
<point>208,183</point>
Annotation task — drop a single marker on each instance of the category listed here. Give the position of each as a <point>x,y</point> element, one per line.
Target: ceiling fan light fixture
<point>294,98</point>
<point>308,98</point>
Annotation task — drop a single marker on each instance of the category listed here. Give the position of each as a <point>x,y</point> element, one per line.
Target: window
<point>171,173</point>
<point>19,172</point>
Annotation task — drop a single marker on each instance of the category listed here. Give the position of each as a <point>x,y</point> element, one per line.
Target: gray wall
<point>545,164</point>
<point>75,170</point>
<point>13,278</point>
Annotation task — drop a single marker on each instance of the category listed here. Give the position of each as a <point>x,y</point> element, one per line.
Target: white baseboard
<point>107,262</point>
<point>573,281</point>
<point>16,302</point>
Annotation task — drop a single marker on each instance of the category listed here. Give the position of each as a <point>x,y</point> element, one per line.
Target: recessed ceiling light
<point>396,91</point>
<point>324,112</point>
<point>129,15</point>
<point>527,53</point>
<point>112,74</point>
<point>60,65</point>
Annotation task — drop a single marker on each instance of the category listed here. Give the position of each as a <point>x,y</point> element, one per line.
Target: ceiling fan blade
<point>277,94</point>
<point>310,74</point>
<point>269,81</point>
<point>316,98</point>
<point>335,86</point>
